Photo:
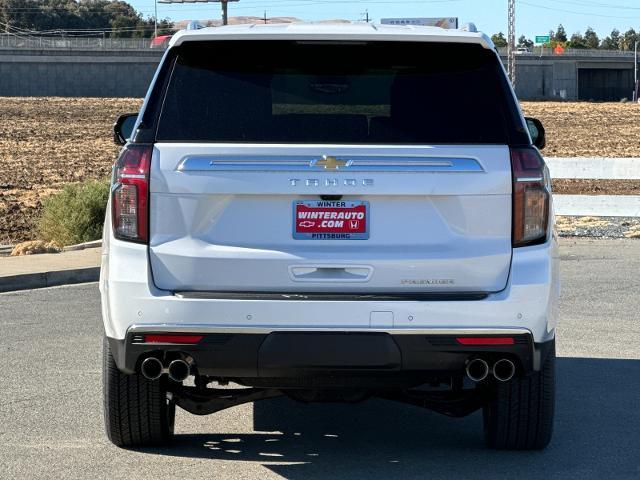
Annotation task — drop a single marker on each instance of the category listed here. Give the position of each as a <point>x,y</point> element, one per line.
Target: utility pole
<point>155,19</point>
<point>225,20</point>
<point>511,42</point>
<point>366,12</point>
<point>223,3</point>
<point>265,17</point>
<point>635,72</point>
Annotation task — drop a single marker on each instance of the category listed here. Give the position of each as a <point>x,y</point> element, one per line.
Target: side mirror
<point>123,128</point>
<point>536,130</point>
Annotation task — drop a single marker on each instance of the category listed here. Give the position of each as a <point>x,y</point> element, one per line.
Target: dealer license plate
<point>330,220</point>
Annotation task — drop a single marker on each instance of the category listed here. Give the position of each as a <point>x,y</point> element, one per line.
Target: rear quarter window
<point>337,92</point>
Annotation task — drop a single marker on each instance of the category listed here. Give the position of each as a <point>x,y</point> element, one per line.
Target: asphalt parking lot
<point>51,413</point>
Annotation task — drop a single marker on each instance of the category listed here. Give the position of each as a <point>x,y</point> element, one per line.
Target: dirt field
<point>47,142</point>
<point>588,129</point>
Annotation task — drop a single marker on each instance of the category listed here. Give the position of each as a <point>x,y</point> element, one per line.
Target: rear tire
<point>520,413</point>
<point>137,412</point>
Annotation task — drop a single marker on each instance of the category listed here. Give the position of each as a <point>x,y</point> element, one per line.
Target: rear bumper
<point>529,303</point>
<point>291,358</point>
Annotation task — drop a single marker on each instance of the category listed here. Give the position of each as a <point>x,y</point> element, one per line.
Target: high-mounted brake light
<point>130,193</point>
<point>531,197</point>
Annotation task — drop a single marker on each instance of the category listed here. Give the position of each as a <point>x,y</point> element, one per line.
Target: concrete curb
<point>5,250</point>
<point>82,246</point>
<point>55,278</point>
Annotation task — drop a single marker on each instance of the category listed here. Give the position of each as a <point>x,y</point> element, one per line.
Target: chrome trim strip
<point>334,296</point>
<point>191,328</point>
<point>307,163</point>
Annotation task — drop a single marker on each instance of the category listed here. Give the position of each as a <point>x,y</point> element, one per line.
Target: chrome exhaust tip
<point>179,370</point>
<point>151,368</point>
<point>477,369</point>
<point>504,370</point>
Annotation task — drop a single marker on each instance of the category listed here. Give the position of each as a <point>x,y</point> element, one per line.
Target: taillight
<point>130,193</point>
<point>531,196</point>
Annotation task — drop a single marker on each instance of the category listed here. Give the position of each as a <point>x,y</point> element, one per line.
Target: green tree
<point>21,16</point>
<point>612,42</point>
<point>499,40</point>
<point>165,27</point>
<point>591,39</point>
<point>125,20</point>
<point>94,14</point>
<point>560,35</point>
<point>525,42</point>
<point>629,39</point>
<point>577,41</point>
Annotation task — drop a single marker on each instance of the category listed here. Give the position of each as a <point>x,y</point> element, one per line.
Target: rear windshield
<point>328,92</point>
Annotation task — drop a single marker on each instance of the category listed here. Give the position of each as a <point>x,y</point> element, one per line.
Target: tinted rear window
<point>323,92</point>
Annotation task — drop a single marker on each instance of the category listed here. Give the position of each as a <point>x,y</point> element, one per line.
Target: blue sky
<point>534,17</point>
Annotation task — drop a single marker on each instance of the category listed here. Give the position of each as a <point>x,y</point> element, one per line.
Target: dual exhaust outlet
<point>478,369</point>
<point>178,370</point>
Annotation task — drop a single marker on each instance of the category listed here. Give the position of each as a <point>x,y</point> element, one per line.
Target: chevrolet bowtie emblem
<point>330,163</point>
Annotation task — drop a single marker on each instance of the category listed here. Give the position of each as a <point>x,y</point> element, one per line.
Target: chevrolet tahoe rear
<point>330,212</point>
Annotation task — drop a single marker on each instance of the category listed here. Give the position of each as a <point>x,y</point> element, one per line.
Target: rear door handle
<point>330,273</point>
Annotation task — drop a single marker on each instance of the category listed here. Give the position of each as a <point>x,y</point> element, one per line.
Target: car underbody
<point>443,373</point>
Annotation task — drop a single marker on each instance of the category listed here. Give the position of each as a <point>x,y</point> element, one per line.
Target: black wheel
<point>520,413</point>
<point>137,412</point>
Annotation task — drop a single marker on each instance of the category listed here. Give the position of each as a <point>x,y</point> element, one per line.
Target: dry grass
<point>569,224</point>
<point>596,187</point>
<point>633,232</point>
<point>75,214</point>
<point>34,246</point>
<point>46,143</point>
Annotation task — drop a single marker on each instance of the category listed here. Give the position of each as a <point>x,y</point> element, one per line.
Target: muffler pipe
<point>151,368</point>
<point>504,370</point>
<point>179,370</point>
<point>477,369</point>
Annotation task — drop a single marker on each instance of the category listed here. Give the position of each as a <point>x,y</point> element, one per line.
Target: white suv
<point>330,212</point>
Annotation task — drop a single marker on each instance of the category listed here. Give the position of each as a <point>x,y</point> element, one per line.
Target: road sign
<point>540,39</point>
<point>449,22</point>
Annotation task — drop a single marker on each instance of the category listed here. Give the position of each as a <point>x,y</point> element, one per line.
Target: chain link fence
<point>8,41</point>
<point>568,52</point>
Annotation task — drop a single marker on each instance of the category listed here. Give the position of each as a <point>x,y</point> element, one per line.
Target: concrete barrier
<point>108,70</point>
<point>597,205</point>
<point>100,73</point>
<point>597,168</point>
<point>601,168</point>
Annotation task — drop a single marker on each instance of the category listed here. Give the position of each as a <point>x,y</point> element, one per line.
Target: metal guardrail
<point>11,41</point>
<point>8,41</point>
<point>570,52</point>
